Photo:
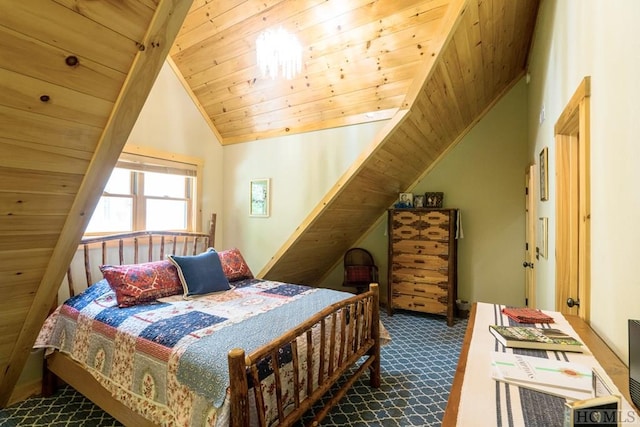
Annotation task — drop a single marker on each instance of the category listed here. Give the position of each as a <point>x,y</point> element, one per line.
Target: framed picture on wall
<point>259,197</point>
<point>544,174</point>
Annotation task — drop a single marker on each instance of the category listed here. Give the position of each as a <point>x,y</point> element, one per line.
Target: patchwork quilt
<point>168,360</point>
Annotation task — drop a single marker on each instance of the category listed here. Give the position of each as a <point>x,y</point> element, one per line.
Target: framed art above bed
<point>260,197</point>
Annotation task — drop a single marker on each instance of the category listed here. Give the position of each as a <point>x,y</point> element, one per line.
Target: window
<point>147,193</point>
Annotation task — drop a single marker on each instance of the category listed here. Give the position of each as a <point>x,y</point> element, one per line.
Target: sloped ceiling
<point>74,75</point>
<point>480,53</point>
<point>433,67</point>
<point>359,59</point>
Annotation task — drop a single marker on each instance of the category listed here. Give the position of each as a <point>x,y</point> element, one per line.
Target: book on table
<point>535,338</point>
<point>527,315</point>
<point>570,380</point>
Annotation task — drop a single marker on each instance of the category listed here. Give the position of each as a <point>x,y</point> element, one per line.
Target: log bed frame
<point>362,341</point>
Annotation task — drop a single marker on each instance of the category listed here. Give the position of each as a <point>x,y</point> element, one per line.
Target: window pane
<point>164,185</point>
<point>119,182</point>
<point>166,214</point>
<point>111,215</point>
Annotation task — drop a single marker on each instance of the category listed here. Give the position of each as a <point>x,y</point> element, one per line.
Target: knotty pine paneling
<point>128,18</point>
<point>19,278</point>
<point>25,126</point>
<point>64,125</point>
<point>15,242</point>
<point>47,63</point>
<point>17,154</point>
<point>46,181</point>
<point>480,61</point>
<point>105,46</point>
<point>350,48</point>
<point>19,91</point>
<point>34,203</point>
<point>31,224</point>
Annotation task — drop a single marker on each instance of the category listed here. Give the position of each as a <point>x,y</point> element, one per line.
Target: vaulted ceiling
<point>478,53</point>
<point>74,75</point>
<point>359,59</point>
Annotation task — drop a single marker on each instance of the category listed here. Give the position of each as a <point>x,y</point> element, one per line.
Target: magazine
<point>535,338</point>
<point>566,379</point>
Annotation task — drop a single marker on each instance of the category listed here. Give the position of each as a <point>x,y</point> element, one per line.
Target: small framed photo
<point>418,201</point>
<point>544,174</point>
<point>433,200</point>
<point>405,200</point>
<point>259,197</point>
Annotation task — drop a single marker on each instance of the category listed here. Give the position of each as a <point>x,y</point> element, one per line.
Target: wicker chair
<point>359,269</point>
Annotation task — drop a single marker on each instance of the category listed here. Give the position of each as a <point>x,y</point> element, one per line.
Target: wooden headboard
<point>132,248</point>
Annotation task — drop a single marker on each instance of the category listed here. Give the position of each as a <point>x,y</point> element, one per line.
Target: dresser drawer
<point>435,219</point>
<point>407,218</point>
<point>424,305</point>
<point>405,232</point>
<point>437,292</point>
<point>415,276</point>
<point>417,247</point>
<point>426,262</point>
<point>434,232</point>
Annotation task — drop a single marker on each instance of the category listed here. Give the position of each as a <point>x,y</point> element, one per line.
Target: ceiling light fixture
<point>278,52</point>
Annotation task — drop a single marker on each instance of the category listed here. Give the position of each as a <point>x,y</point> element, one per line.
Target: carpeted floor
<point>417,371</point>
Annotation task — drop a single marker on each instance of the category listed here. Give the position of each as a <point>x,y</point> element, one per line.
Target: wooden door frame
<point>573,206</point>
<point>530,236</point>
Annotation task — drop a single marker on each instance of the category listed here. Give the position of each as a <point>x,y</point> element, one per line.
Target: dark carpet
<point>417,371</point>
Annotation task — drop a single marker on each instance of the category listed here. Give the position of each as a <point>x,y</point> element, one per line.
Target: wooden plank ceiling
<point>73,77</point>
<point>433,67</point>
<point>359,59</point>
<point>483,55</point>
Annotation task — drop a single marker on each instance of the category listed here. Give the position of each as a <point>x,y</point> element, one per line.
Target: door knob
<point>527,264</point>
<point>571,302</point>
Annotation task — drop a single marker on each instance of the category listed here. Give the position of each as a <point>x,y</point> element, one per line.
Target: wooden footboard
<point>359,332</point>
<point>355,321</point>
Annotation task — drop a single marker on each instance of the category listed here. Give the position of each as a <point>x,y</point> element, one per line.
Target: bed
<point>259,353</point>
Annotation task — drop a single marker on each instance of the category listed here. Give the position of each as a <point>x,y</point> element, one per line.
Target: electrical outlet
<point>542,114</point>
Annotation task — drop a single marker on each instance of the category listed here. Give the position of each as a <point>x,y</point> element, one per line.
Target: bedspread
<point>161,359</point>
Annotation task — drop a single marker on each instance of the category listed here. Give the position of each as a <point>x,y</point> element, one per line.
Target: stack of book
<point>527,315</point>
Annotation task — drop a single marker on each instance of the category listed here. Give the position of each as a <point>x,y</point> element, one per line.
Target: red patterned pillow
<point>234,265</point>
<point>140,283</point>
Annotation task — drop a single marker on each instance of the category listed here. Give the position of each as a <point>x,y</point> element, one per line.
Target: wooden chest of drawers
<point>422,261</point>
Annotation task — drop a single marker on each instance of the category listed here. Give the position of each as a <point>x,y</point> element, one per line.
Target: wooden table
<point>610,362</point>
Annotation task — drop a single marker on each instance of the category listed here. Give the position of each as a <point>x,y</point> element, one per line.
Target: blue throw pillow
<point>200,274</point>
